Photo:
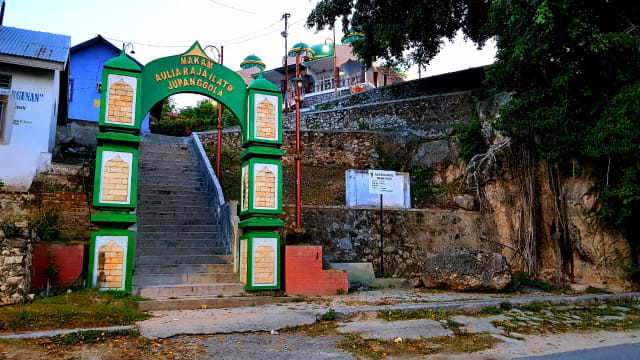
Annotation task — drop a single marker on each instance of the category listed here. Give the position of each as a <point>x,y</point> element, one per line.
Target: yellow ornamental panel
<point>120,105</point>
<point>115,180</point>
<point>243,262</point>
<point>245,191</point>
<point>266,120</point>
<point>265,189</point>
<point>264,264</point>
<point>110,260</point>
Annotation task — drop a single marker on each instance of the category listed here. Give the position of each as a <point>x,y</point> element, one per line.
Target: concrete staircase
<point>179,248</point>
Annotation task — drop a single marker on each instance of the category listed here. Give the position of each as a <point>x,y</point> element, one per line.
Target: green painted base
<point>261,151</point>
<point>118,138</point>
<point>114,217</point>
<point>261,223</point>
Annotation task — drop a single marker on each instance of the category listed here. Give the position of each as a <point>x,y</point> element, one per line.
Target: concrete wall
<point>36,97</point>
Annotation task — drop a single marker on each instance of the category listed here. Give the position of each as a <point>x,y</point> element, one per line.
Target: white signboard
<point>381,181</point>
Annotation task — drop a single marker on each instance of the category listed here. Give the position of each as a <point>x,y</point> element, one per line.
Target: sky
<point>159,28</point>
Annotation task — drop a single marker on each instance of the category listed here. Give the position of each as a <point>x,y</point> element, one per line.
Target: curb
<point>476,306</point>
<point>51,333</point>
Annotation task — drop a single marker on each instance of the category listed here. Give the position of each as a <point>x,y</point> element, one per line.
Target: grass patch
<point>83,308</point>
<point>376,349</point>
<point>490,310</point>
<point>323,328</point>
<point>394,315</point>
<point>522,278</point>
<point>579,319</point>
<point>92,336</point>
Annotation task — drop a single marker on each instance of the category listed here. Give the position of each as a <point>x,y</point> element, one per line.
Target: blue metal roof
<point>34,44</point>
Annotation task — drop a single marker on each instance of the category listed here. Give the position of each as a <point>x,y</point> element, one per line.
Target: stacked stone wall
<point>415,112</point>
<point>344,149</point>
<point>410,236</point>
<point>16,257</point>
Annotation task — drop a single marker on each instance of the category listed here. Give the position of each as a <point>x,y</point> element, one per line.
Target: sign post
<point>381,182</point>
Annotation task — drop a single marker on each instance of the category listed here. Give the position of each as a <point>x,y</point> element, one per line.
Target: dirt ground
<point>287,346</point>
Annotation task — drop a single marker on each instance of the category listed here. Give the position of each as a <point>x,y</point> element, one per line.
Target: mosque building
<point>317,68</point>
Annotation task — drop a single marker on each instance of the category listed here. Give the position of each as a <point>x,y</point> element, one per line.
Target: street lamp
<point>298,82</point>
<point>219,144</point>
<point>125,46</point>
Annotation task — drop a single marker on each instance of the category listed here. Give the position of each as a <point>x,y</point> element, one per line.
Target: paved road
<point>618,352</point>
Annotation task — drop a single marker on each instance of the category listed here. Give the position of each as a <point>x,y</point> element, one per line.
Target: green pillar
<point>261,190</point>
<point>116,176</point>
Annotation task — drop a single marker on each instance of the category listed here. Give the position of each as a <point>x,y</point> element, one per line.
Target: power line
<point>233,8</point>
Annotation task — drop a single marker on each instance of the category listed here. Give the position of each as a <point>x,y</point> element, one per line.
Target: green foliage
<point>522,278</point>
<point>44,223</point>
<point>202,117</point>
<point>506,306</point>
<point>393,28</point>
<point>533,307</point>
<point>386,158</point>
<point>363,124</point>
<point>1,184</point>
<point>52,269</point>
<point>329,315</point>
<point>92,336</point>
<point>84,308</point>
<point>469,138</point>
<point>490,310</point>
<point>422,187</point>
<point>573,70</point>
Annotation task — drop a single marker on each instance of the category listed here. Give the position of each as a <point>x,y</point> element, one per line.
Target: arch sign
<point>128,93</point>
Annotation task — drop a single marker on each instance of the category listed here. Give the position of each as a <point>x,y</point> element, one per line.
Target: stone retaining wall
<point>16,256</point>
<point>344,149</point>
<point>352,234</point>
<point>414,112</point>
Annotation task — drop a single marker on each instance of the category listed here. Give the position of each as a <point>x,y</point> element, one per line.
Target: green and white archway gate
<point>128,93</point>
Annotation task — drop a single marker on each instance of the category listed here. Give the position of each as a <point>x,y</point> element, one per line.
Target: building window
<point>5,81</point>
<point>7,105</point>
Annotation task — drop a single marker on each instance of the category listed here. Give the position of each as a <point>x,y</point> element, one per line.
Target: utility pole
<point>284,34</point>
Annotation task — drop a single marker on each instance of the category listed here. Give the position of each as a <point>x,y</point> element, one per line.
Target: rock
<point>434,154</point>
<point>466,202</point>
<point>22,224</point>
<point>31,296</point>
<point>466,270</point>
<point>1,234</point>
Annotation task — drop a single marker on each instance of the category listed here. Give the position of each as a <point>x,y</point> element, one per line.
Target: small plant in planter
<point>57,260</point>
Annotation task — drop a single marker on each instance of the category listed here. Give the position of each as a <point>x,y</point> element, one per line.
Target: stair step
<point>178,228</point>
<point>163,235</point>
<point>183,279</point>
<point>190,290</point>
<point>163,243</point>
<point>176,189</point>
<point>167,214</point>
<point>211,302</point>
<point>152,183</point>
<point>177,221</point>
<point>170,192</point>
<point>182,269</point>
<point>180,251</point>
<point>171,259</point>
<point>192,209</point>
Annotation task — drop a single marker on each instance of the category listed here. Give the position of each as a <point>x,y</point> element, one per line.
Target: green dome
<point>400,72</point>
<point>263,84</point>
<point>252,61</point>
<point>351,37</point>
<point>122,62</point>
<point>322,50</point>
<point>301,47</point>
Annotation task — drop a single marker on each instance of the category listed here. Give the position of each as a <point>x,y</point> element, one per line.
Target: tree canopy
<point>394,27</point>
<point>572,67</point>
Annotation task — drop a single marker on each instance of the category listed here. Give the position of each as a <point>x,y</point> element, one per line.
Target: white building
<point>33,99</point>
